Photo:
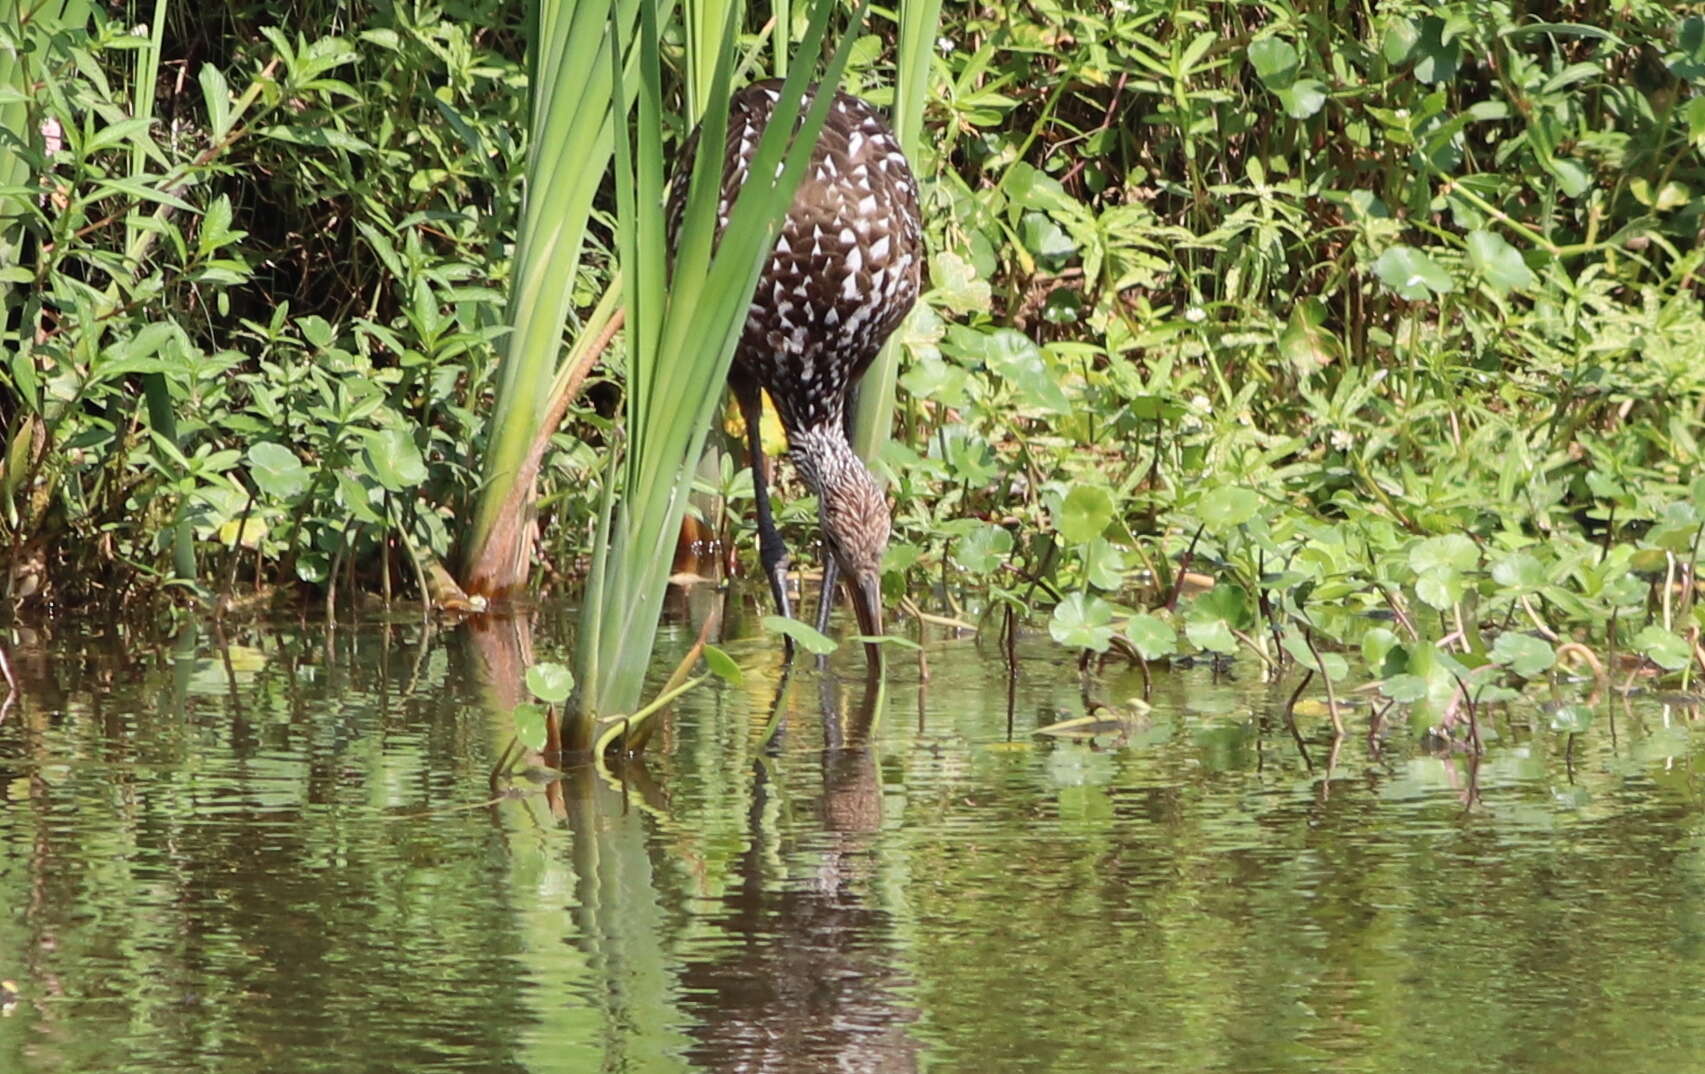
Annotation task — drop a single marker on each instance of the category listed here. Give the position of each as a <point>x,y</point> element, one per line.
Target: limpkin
<point>843,275</point>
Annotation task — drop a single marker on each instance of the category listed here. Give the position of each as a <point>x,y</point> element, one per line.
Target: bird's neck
<point>824,458</point>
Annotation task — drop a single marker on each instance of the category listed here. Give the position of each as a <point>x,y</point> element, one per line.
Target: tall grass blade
<point>680,354</point>
<point>873,415</point>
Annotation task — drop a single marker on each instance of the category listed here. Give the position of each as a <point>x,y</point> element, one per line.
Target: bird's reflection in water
<point>804,978</point>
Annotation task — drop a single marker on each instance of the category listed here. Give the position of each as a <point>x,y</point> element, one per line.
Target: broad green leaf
<point>1151,636</point>
<point>1275,61</point>
<point>1227,507</point>
<point>393,459</point>
<point>550,682</point>
<point>1377,645</point>
<point>277,472</point>
<point>1437,53</point>
<point>1440,587</point>
<point>807,638</point>
<point>1303,98</point>
<point>1085,513</point>
<point>722,665</point>
<point>1499,263</point>
<point>1212,634</point>
<point>1412,274</point>
<point>1082,622</point>
<point>956,284</point>
<point>530,726</point>
<point>1519,570</point>
<point>1452,550</point>
<point>1406,688</point>
<point>1523,654</point>
<point>983,549</point>
<point>1665,648</point>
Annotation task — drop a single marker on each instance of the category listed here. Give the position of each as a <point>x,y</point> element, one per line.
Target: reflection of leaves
<point>1104,721</point>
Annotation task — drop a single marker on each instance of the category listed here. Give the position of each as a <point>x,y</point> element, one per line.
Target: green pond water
<point>287,854</point>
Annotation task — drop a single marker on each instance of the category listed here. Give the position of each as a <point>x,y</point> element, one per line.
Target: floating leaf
<point>550,682</point>
<point>1213,635</point>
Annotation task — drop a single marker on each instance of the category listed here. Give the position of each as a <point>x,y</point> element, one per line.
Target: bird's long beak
<point>865,592</point>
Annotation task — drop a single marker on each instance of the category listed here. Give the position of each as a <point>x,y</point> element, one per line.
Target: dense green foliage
<point>1391,312</point>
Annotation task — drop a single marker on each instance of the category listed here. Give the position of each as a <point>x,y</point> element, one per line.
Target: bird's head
<point>854,515</point>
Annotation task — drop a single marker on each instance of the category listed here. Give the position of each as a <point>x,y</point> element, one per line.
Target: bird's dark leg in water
<point>772,550</point>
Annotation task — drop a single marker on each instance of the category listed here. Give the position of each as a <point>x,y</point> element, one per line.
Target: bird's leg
<point>772,551</point>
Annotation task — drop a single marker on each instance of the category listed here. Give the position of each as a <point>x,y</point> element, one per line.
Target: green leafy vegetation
<point>1267,331</point>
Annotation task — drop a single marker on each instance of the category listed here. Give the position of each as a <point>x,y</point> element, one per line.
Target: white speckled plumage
<point>843,274</point>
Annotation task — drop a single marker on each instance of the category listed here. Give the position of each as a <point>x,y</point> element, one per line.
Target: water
<point>288,855</point>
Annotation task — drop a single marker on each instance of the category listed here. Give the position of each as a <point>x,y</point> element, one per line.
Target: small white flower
<point>1342,439</point>
<point>1402,113</point>
<point>1195,315</point>
<point>944,45</point>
